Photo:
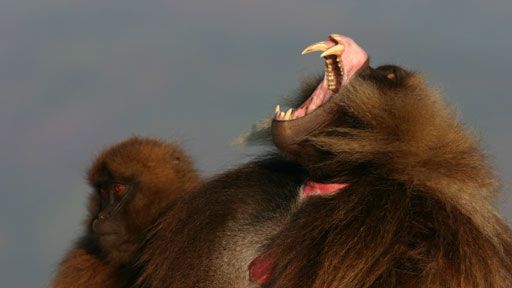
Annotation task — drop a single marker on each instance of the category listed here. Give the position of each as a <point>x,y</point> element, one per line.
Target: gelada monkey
<point>375,184</point>
<point>132,183</point>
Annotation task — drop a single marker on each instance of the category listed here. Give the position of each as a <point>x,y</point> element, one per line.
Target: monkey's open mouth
<point>331,83</point>
<point>343,59</point>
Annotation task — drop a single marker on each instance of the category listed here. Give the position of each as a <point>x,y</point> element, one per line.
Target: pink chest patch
<point>321,189</point>
<point>260,268</point>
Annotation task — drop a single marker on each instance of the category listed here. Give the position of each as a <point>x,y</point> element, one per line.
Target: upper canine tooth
<point>336,50</point>
<point>320,46</point>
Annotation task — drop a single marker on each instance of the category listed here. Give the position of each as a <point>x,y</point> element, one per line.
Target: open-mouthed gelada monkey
<point>374,183</point>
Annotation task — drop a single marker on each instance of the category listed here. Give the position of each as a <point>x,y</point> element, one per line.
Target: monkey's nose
<point>102,216</point>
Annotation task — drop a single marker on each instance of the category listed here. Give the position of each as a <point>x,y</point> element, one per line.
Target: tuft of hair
<point>260,132</point>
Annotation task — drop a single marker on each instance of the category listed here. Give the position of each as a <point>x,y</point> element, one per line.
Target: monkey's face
<point>133,182</point>
<point>313,133</point>
<point>124,207</point>
<point>110,224</point>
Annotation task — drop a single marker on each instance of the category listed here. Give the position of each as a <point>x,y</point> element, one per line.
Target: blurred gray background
<point>79,75</point>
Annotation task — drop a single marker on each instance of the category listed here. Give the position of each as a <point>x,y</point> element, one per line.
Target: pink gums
<point>352,58</point>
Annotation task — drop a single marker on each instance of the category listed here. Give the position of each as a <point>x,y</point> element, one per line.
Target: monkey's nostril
<point>102,216</point>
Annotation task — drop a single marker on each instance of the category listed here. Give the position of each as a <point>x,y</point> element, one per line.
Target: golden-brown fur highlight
<point>81,269</point>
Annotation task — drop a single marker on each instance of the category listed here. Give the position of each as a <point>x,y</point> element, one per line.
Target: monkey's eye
<point>119,189</point>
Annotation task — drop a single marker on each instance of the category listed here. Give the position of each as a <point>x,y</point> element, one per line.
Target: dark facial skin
<point>109,226</point>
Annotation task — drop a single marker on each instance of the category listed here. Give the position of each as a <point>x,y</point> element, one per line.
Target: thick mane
<point>412,137</point>
<point>419,210</point>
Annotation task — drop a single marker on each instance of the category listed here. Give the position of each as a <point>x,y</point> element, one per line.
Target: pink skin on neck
<point>260,268</point>
<point>321,189</point>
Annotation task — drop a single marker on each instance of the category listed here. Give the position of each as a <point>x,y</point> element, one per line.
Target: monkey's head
<point>350,120</point>
<point>133,182</point>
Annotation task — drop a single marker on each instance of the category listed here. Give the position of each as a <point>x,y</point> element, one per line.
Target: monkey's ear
<point>393,73</point>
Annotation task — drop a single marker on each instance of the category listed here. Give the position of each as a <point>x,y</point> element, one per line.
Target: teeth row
<point>282,115</point>
<point>341,69</point>
<point>332,74</point>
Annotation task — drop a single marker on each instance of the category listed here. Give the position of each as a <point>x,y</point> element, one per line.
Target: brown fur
<point>209,239</point>
<point>161,174</point>
<point>81,268</point>
<point>418,211</point>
